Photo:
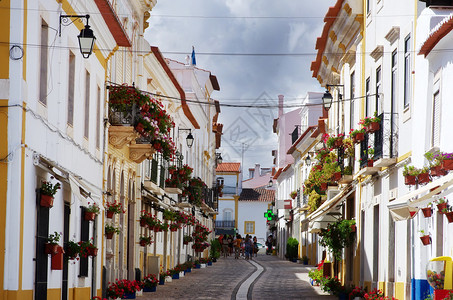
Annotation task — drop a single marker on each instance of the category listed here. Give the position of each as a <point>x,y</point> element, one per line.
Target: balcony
<point>210,199</point>
<point>229,224</point>
<point>156,173</point>
<point>121,130</point>
<point>384,142</point>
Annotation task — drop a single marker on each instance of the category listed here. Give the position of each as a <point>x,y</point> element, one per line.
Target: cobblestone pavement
<point>272,278</point>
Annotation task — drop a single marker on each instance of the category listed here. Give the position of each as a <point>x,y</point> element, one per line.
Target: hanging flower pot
<point>46,201</point>
<point>449,216</point>
<point>336,176</point>
<point>143,243</point>
<point>92,252</point>
<point>410,180</point>
<point>323,186</point>
<point>426,240</point>
<point>427,212</point>
<point>142,223</point>
<point>423,178</point>
<point>109,235</point>
<point>447,164</point>
<point>110,214</point>
<point>353,228</point>
<point>51,248</point>
<point>338,143</point>
<point>370,163</point>
<point>373,127</point>
<point>441,206</point>
<point>437,171</point>
<point>360,136</point>
<point>90,216</point>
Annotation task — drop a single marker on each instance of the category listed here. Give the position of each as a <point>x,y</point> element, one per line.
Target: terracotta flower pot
<point>370,163</point>
<point>447,164</point>
<point>92,251</point>
<point>46,201</point>
<point>338,143</point>
<point>142,223</point>
<point>359,137</point>
<point>143,243</point>
<point>449,216</point>
<point>353,228</point>
<point>373,127</point>
<point>109,235</point>
<point>51,248</point>
<point>423,178</point>
<point>336,176</point>
<point>427,212</point>
<point>323,186</point>
<point>90,216</point>
<point>110,214</point>
<point>437,171</point>
<point>409,180</point>
<point>426,240</point>
<point>441,206</point>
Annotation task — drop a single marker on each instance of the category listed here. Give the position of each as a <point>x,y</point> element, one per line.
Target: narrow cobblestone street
<point>265,277</point>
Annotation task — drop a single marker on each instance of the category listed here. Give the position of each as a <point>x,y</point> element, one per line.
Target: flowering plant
<point>164,273</point>
<point>115,207</point>
<point>121,287</point>
<point>337,236</point>
<point>357,292</point>
<point>330,285</point>
<point>293,194</point>
<point>86,248</point>
<point>93,208</point>
<point>354,132</point>
<point>375,294</point>
<point>194,191</point>
<point>315,275</point>
<point>49,189</point>
<point>147,240</point>
<point>368,120</point>
<point>72,249</point>
<point>443,156</point>
<point>333,141</point>
<point>178,176</point>
<point>150,280</point>
<point>110,228</point>
<point>54,238</point>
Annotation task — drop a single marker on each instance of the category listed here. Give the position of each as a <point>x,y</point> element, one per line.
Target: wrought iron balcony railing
<point>156,169</point>
<point>224,224</point>
<point>125,115</point>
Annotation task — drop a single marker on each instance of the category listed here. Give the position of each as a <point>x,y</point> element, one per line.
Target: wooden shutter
<point>436,119</point>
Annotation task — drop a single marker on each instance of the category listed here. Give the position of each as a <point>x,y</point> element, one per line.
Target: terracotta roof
<point>441,30</point>
<point>228,167</point>
<point>258,194</point>
<point>280,170</point>
<point>113,23</point>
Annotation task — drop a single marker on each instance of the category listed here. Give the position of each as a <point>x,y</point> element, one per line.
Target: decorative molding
<point>119,136</point>
<point>377,52</point>
<point>393,34</point>
<point>140,152</point>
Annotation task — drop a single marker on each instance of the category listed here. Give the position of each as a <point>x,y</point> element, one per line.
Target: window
<point>249,227</point>
<point>98,120</point>
<point>87,105</point>
<point>367,97</point>
<point>368,8</point>
<point>378,89</point>
<point>436,118</point>
<point>71,88</point>
<point>376,231</point>
<point>351,93</point>
<point>394,81</point>
<point>43,61</point>
<point>227,215</point>
<point>407,71</point>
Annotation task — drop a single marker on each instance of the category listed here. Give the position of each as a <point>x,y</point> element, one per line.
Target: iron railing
<point>157,169</point>
<point>297,132</point>
<point>224,224</point>
<point>125,115</point>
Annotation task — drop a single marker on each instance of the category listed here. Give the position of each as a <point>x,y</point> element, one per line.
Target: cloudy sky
<point>228,36</point>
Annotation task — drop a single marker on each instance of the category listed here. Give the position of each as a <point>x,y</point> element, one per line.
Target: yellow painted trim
<point>245,227</point>
<point>382,286</point>
<point>403,157</point>
<point>82,293</point>
<point>333,36</point>
<point>54,294</point>
<point>5,9</point>
<point>325,60</point>
<point>342,47</point>
<point>367,285</point>
<point>347,9</point>
<point>400,290</point>
<point>18,295</point>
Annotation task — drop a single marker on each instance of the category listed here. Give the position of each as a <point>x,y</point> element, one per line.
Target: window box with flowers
<point>448,213</point>
<point>423,176</point>
<point>410,175</point>
<point>51,247</point>
<point>114,208</point>
<point>371,124</point>
<point>87,248</point>
<point>110,230</point>
<point>47,193</point>
<point>434,165</point>
<point>333,141</point>
<point>446,160</point>
<point>91,211</point>
<point>145,241</point>
<point>357,135</point>
<point>441,204</point>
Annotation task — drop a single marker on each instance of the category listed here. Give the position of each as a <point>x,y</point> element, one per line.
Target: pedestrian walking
<point>225,246</point>
<point>237,246</point>
<point>248,247</point>
<point>255,246</point>
<point>230,244</point>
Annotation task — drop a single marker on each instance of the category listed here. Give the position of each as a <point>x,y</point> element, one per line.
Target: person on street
<point>269,243</point>
<point>225,248</point>
<point>237,246</point>
<point>255,246</point>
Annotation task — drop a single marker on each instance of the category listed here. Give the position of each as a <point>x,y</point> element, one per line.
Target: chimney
<point>257,171</point>
<point>280,105</point>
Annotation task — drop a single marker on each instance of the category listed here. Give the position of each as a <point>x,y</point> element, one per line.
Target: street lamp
<point>218,158</point>
<point>189,138</point>
<point>308,159</point>
<point>271,183</point>
<point>327,100</point>
<point>86,37</point>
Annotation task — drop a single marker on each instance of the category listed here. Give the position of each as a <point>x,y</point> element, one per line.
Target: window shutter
<point>436,119</point>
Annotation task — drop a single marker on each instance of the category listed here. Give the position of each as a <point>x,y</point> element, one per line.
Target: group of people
<point>246,247</point>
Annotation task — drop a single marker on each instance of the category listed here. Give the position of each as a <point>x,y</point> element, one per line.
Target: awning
<point>83,191</point>
<point>400,208</point>
<point>330,204</point>
<point>322,222</point>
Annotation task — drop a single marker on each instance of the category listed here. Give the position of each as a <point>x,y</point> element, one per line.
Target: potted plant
<point>145,241</point>
<point>337,236</point>
<point>315,276</point>
<point>124,289</point>
<point>186,239</point>
<point>330,285</point>
<point>441,204</point>
<point>434,165</point>
<point>446,160</point>
<point>370,156</point>
<point>425,238</point>
<point>357,135</point>
<point>146,219</point>
<point>110,230</point>
<point>305,259</point>
<point>48,191</point>
<point>91,211</point>
<point>162,276</point>
<point>357,293</point>
<point>87,248</point>
<point>52,243</point>
<point>150,283</point>
<point>410,175</point>
<point>114,208</point>
<point>423,176</point>
<point>371,124</point>
<point>214,250</point>
<point>427,211</point>
<point>374,294</point>
<point>293,194</point>
<point>292,246</point>
<point>448,213</point>
<point>72,250</point>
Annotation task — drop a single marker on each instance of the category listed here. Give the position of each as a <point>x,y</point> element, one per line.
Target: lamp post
<point>270,183</point>
<point>86,37</point>
<point>218,159</point>
<point>189,138</point>
<point>327,101</point>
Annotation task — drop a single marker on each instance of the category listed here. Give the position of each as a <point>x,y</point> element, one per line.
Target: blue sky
<point>252,27</point>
